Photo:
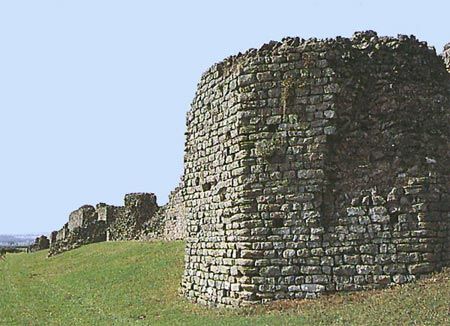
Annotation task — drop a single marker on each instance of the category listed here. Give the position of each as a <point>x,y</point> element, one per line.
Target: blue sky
<point>93,94</point>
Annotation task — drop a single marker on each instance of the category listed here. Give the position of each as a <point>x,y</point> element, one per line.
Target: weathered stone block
<point>270,271</point>
<point>345,270</point>
<point>421,268</point>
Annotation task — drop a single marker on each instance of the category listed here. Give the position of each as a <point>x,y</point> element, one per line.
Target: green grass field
<point>129,283</point>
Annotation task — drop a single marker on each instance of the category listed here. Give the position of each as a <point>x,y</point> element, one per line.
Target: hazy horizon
<point>93,95</point>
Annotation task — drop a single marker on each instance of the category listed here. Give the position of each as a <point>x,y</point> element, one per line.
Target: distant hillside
<point>17,239</point>
<point>132,283</point>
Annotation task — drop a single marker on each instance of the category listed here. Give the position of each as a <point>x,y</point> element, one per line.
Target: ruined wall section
<point>129,220</point>
<point>139,219</point>
<point>311,203</point>
<point>104,222</point>
<point>83,228</point>
<point>169,222</point>
<point>81,217</point>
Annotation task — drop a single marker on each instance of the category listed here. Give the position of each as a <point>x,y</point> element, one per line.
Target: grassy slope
<point>136,283</point>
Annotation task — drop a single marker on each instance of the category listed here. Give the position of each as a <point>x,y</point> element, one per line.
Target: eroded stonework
<point>315,166</point>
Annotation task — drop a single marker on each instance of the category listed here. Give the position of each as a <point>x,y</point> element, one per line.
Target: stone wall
<point>316,166</point>
<point>139,219</point>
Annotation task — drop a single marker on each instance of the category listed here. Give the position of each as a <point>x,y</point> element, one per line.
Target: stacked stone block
<point>317,166</point>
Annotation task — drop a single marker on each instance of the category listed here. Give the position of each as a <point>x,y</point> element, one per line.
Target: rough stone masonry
<point>316,166</point>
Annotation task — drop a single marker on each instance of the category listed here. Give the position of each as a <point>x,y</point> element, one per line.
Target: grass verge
<point>132,283</point>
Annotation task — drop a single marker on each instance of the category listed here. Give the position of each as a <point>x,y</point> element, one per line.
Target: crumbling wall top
<point>362,39</point>
<point>139,198</point>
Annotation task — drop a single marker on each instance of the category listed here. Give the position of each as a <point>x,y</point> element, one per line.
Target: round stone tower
<point>316,166</point>
<point>446,56</point>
